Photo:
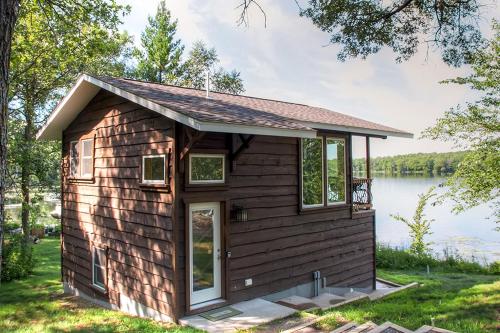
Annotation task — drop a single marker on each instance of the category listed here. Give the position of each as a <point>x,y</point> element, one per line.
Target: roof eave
<point>87,87</point>
<point>358,130</point>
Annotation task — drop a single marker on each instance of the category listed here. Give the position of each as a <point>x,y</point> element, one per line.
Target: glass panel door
<point>205,252</point>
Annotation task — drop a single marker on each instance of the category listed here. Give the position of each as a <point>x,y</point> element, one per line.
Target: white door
<point>205,252</point>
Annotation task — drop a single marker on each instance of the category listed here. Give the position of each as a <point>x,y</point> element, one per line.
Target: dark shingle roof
<point>242,110</point>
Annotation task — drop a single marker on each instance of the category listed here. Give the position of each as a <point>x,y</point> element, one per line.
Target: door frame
<point>224,229</point>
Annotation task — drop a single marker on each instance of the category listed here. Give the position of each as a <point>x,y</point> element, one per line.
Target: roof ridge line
<point>202,90</point>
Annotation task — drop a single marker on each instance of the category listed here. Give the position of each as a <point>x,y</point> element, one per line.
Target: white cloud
<point>288,60</point>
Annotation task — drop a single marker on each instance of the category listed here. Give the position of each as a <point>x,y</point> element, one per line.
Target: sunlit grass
<point>459,302</point>
<point>37,304</point>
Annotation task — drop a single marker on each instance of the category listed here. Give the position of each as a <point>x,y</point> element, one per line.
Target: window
<point>99,268</point>
<point>206,168</point>
<point>153,169</point>
<point>81,164</point>
<point>312,172</point>
<point>74,162</point>
<point>87,158</point>
<point>335,170</point>
<point>323,171</point>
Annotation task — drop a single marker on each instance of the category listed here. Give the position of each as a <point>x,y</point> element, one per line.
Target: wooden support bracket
<point>245,144</point>
<point>193,136</point>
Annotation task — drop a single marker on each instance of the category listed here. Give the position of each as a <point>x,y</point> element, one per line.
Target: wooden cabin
<point>175,202</point>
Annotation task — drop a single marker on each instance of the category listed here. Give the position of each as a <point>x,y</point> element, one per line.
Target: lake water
<point>471,233</point>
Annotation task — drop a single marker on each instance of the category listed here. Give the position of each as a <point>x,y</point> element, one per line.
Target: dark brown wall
<point>279,247</point>
<point>113,211</point>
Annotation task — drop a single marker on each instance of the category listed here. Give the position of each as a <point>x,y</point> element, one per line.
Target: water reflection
<point>471,233</point>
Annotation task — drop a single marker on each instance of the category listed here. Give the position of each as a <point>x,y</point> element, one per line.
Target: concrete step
<point>298,303</point>
<point>389,327</point>
<point>431,329</point>
<point>326,300</point>
<point>380,293</point>
<point>347,328</point>
<point>364,328</point>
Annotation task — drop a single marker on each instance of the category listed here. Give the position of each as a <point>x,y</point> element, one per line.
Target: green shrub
<point>9,226</point>
<point>403,259</point>
<point>17,263</point>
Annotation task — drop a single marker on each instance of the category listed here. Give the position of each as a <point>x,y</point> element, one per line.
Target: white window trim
<point>71,145</point>
<point>345,178</point>
<point>82,157</point>
<point>322,204</point>
<point>215,181</point>
<point>157,181</point>
<point>94,283</point>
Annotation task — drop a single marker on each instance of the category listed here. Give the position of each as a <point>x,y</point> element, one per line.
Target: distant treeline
<point>421,163</point>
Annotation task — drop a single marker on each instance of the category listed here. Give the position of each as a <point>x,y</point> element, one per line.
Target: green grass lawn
<point>37,304</point>
<point>459,302</point>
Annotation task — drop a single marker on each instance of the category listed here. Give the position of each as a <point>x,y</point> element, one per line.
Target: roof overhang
<point>87,87</point>
<point>358,130</point>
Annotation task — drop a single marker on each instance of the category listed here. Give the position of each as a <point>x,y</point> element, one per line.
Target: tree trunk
<point>26,169</point>
<point>9,10</point>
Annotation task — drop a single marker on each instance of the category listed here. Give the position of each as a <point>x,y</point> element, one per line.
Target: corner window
<point>86,159</point>
<point>153,169</point>
<point>206,168</point>
<point>81,155</point>
<point>312,172</point>
<point>335,170</point>
<point>323,171</point>
<point>99,261</point>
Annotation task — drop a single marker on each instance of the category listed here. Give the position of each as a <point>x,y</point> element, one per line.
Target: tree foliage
<point>53,42</point>
<point>419,225</point>
<point>476,127</point>
<point>159,58</point>
<point>364,27</point>
<point>201,60</point>
<point>420,163</point>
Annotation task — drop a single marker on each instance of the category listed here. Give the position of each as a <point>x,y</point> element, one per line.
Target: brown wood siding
<point>279,246</point>
<point>113,211</point>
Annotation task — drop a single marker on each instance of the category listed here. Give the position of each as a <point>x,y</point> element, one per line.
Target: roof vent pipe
<point>207,83</point>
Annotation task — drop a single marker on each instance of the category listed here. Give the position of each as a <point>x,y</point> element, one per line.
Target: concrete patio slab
<point>326,301</point>
<point>254,312</point>
<point>298,302</point>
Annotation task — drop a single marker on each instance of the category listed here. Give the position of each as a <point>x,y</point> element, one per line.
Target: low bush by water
<point>399,258</point>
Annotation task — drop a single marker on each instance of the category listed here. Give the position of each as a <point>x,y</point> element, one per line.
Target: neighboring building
<point>174,203</point>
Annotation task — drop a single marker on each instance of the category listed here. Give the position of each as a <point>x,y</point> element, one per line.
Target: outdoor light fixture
<point>239,214</point>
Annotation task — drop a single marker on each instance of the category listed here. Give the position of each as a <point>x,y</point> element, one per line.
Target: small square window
<point>206,168</point>
<point>99,268</point>
<point>153,169</point>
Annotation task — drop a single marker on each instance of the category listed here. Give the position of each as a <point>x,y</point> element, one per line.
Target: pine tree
<point>159,59</point>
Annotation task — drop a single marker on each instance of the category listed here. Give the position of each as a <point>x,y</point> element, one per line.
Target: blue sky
<point>291,60</point>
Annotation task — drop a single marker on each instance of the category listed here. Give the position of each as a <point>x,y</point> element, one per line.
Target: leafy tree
<point>48,52</point>
<point>202,59</point>
<point>9,10</point>
<point>159,59</point>
<point>365,27</point>
<point>419,225</point>
<point>228,82</point>
<point>476,127</point>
